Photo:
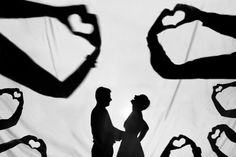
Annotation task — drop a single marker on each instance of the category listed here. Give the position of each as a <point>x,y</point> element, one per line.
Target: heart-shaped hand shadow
<point>34,144</point>
<point>78,26</point>
<point>216,134</point>
<point>179,142</point>
<point>17,95</point>
<point>173,19</point>
<point>219,89</point>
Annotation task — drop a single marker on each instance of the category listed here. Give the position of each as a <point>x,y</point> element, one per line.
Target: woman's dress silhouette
<point>135,130</point>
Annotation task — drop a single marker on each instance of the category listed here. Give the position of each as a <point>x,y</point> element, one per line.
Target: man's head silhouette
<point>103,96</point>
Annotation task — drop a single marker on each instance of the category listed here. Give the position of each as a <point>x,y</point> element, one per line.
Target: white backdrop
<point>124,67</point>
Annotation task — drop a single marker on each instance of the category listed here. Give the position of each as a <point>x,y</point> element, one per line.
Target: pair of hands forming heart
<point>34,143</point>
<point>217,88</point>
<point>83,19</point>
<point>14,92</point>
<point>220,87</point>
<point>190,14</point>
<point>179,142</point>
<point>216,133</point>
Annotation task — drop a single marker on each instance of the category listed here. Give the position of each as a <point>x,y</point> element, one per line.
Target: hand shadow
<point>17,66</point>
<point>213,67</point>
<point>180,142</point>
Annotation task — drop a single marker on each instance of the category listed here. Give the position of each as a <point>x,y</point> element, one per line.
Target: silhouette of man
<point>104,133</point>
<point>206,68</point>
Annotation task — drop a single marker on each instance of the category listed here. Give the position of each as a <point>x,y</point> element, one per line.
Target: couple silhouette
<point>105,134</point>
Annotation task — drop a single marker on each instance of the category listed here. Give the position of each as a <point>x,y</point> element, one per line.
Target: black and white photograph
<point>134,78</point>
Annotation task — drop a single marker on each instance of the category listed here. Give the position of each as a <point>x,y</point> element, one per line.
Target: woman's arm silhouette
<point>143,132</point>
<point>205,68</point>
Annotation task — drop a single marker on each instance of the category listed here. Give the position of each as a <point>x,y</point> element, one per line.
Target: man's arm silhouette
<point>206,68</point>
<point>7,123</point>
<point>118,134</point>
<point>226,113</point>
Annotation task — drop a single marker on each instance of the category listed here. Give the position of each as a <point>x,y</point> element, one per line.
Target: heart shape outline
<point>77,24</point>
<point>216,134</point>
<point>179,142</point>
<point>173,18</point>
<point>34,144</point>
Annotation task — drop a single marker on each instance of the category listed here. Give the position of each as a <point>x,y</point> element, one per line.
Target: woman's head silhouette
<point>140,102</point>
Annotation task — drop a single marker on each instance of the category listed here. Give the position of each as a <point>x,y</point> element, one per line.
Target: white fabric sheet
<point>177,106</point>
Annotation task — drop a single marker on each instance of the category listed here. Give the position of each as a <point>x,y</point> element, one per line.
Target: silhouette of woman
<point>135,129</point>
